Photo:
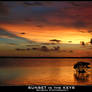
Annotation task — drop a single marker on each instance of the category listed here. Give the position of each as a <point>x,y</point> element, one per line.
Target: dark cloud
<point>21,49</point>
<point>44,48</point>
<point>81,3</point>
<point>55,40</point>
<point>3,9</point>
<point>82,31</point>
<point>56,48</point>
<point>12,44</point>
<point>79,24</point>
<point>40,26</point>
<point>23,33</point>
<point>53,13</point>
<point>38,3</point>
<point>89,31</point>
<point>71,51</point>
<point>70,41</point>
<point>28,20</point>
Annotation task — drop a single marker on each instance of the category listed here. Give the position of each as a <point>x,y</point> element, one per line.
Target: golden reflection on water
<point>41,72</point>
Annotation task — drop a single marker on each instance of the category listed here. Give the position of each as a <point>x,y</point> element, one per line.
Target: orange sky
<point>43,21</point>
<point>36,23</point>
<point>47,33</point>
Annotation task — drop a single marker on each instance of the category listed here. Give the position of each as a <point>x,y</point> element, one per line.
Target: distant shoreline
<point>45,57</point>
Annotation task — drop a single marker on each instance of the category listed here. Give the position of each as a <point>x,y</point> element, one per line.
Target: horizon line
<point>42,57</point>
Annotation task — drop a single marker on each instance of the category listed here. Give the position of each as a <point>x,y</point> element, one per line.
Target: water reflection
<point>81,77</point>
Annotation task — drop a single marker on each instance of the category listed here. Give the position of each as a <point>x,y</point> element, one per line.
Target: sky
<point>30,24</point>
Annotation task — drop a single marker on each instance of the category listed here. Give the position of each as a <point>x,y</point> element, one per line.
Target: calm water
<point>41,72</point>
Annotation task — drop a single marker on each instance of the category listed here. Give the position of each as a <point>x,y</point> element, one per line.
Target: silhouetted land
<point>43,57</point>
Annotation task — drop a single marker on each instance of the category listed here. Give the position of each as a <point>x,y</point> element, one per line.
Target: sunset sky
<point>37,22</point>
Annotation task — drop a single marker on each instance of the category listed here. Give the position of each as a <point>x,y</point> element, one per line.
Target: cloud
<point>23,33</point>
<point>89,31</point>
<point>38,3</point>
<point>4,32</point>
<point>45,14</point>
<point>55,40</point>
<point>79,24</point>
<point>11,44</point>
<point>6,40</point>
<point>6,35</point>
<point>39,25</point>
<point>3,9</point>
<point>81,4</point>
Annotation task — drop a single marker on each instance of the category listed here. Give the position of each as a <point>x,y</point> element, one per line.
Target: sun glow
<point>45,34</point>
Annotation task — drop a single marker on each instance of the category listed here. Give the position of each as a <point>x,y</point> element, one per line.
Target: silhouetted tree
<point>81,71</point>
<point>91,41</point>
<point>81,67</point>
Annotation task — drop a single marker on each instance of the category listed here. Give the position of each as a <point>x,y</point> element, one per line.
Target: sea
<point>45,71</point>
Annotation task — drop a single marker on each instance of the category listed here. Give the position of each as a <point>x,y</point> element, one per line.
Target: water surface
<point>20,71</point>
